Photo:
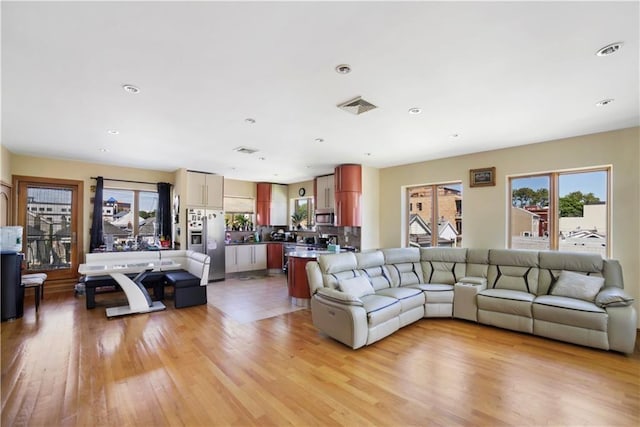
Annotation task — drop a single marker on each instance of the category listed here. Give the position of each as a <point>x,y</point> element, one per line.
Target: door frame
<point>77,217</point>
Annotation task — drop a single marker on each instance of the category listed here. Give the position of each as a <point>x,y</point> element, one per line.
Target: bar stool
<point>35,281</point>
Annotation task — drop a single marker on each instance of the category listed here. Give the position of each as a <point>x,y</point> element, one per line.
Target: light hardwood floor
<point>199,366</point>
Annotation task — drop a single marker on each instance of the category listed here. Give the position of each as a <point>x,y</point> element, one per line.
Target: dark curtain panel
<point>163,218</point>
<point>96,222</point>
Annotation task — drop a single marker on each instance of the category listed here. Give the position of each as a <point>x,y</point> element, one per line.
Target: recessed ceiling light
<point>249,120</point>
<point>343,69</point>
<point>609,49</point>
<point>604,102</point>
<point>367,154</point>
<point>131,89</point>
<point>319,140</point>
<point>454,135</point>
<point>415,110</point>
<point>262,158</point>
<point>112,132</point>
<point>104,150</point>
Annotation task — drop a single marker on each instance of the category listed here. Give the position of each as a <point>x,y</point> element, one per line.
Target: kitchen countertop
<point>311,253</point>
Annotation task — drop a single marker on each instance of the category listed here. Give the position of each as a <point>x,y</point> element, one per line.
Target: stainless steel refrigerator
<point>205,234</point>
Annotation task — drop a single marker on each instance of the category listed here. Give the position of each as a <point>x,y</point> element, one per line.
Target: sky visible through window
<point>586,182</point>
<point>148,199</point>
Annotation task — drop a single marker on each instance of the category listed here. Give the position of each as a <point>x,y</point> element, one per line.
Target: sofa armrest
<point>338,297</point>
<point>314,276</point>
<point>612,296</point>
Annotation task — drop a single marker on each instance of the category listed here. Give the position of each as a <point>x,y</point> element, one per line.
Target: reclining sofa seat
<point>512,285</point>
<point>576,320</point>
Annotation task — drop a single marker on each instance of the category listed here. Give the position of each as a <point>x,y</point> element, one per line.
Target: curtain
<point>163,218</point>
<point>96,239</point>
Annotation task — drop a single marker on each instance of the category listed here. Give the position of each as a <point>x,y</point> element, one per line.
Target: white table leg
<point>138,302</point>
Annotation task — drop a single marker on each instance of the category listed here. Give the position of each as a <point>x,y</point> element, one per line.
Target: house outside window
<point>129,217</point>
<point>564,211</point>
<point>437,219</point>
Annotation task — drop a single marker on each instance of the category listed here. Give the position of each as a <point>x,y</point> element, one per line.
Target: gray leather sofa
<point>360,298</point>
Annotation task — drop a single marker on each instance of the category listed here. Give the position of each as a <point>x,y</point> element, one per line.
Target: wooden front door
<point>50,212</point>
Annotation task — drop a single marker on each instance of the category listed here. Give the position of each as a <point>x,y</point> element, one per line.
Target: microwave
<point>325,218</point>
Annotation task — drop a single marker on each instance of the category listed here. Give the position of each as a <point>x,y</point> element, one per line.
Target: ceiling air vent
<point>245,150</point>
<point>357,106</point>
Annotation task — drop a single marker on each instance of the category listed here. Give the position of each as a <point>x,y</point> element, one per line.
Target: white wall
<point>370,230</point>
<point>485,208</point>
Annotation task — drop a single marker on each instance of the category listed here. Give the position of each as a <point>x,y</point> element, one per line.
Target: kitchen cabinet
<point>271,204</point>
<point>205,190</point>
<point>325,192</point>
<point>274,255</point>
<point>348,180</point>
<point>245,258</point>
<point>278,209</point>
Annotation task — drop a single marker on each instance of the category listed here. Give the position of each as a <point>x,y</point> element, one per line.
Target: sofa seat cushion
<point>570,311</point>
<point>182,279</point>
<point>409,297</point>
<point>506,301</point>
<point>380,308</point>
<point>433,287</point>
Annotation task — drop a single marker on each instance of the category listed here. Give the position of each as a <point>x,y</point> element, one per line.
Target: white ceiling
<point>498,74</point>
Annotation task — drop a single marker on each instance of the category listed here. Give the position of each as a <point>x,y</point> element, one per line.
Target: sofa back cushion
<point>513,269</point>
<point>371,265</point>
<point>477,263</point>
<point>553,263</point>
<point>198,264</point>
<point>443,265</point>
<point>337,266</point>
<point>403,266</point>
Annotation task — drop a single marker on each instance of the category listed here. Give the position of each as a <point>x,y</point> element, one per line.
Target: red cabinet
<point>348,178</point>
<point>263,203</point>
<point>348,182</point>
<point>297,281</point>
<point>274,255</point>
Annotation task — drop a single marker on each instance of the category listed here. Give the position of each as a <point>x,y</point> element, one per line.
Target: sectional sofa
<point>360,298</point>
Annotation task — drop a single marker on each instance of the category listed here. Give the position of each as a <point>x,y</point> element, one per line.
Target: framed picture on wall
<point>485,177</point>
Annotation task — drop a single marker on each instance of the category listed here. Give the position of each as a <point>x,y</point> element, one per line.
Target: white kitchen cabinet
<point>325,192</point>
<point>278,208</point>
<point>205,190</point>
<point>245,258</point>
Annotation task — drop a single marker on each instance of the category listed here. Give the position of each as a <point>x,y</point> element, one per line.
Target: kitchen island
<point>297,275</point>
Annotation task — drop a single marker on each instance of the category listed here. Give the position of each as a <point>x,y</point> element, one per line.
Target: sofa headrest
<point>335,263</point>
<point>370,259</point>
<point>513,257</point>
<point>401,255</point>
<point>574,261</point>
<point>199,257</point>
<point>478,256</point>
<point>443,254</point>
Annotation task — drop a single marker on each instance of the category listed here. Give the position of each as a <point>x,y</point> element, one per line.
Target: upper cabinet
<point>205,190</point>
<point>278,210</point>
<point>271,204</point>
<point>325,192</point>
<point>348,180</point>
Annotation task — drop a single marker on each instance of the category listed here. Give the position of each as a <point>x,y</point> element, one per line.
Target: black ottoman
<point>187,290</point>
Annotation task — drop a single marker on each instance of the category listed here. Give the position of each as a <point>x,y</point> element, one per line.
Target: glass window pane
<point>529,218</point>
<point>420,216</point>
<point>48,237</point>
<point>582,207</point>
<point>449,201</point>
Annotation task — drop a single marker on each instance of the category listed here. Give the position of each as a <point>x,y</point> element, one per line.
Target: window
<point>303,213</point>
<point>239,213</point>
<point>566,211</point>
<point>437,220</point>
<point>129,216</point>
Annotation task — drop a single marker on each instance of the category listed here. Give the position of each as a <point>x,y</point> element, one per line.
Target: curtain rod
<point>127,180</point>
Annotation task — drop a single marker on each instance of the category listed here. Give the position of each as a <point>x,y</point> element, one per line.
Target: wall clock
<point>301,191</point>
